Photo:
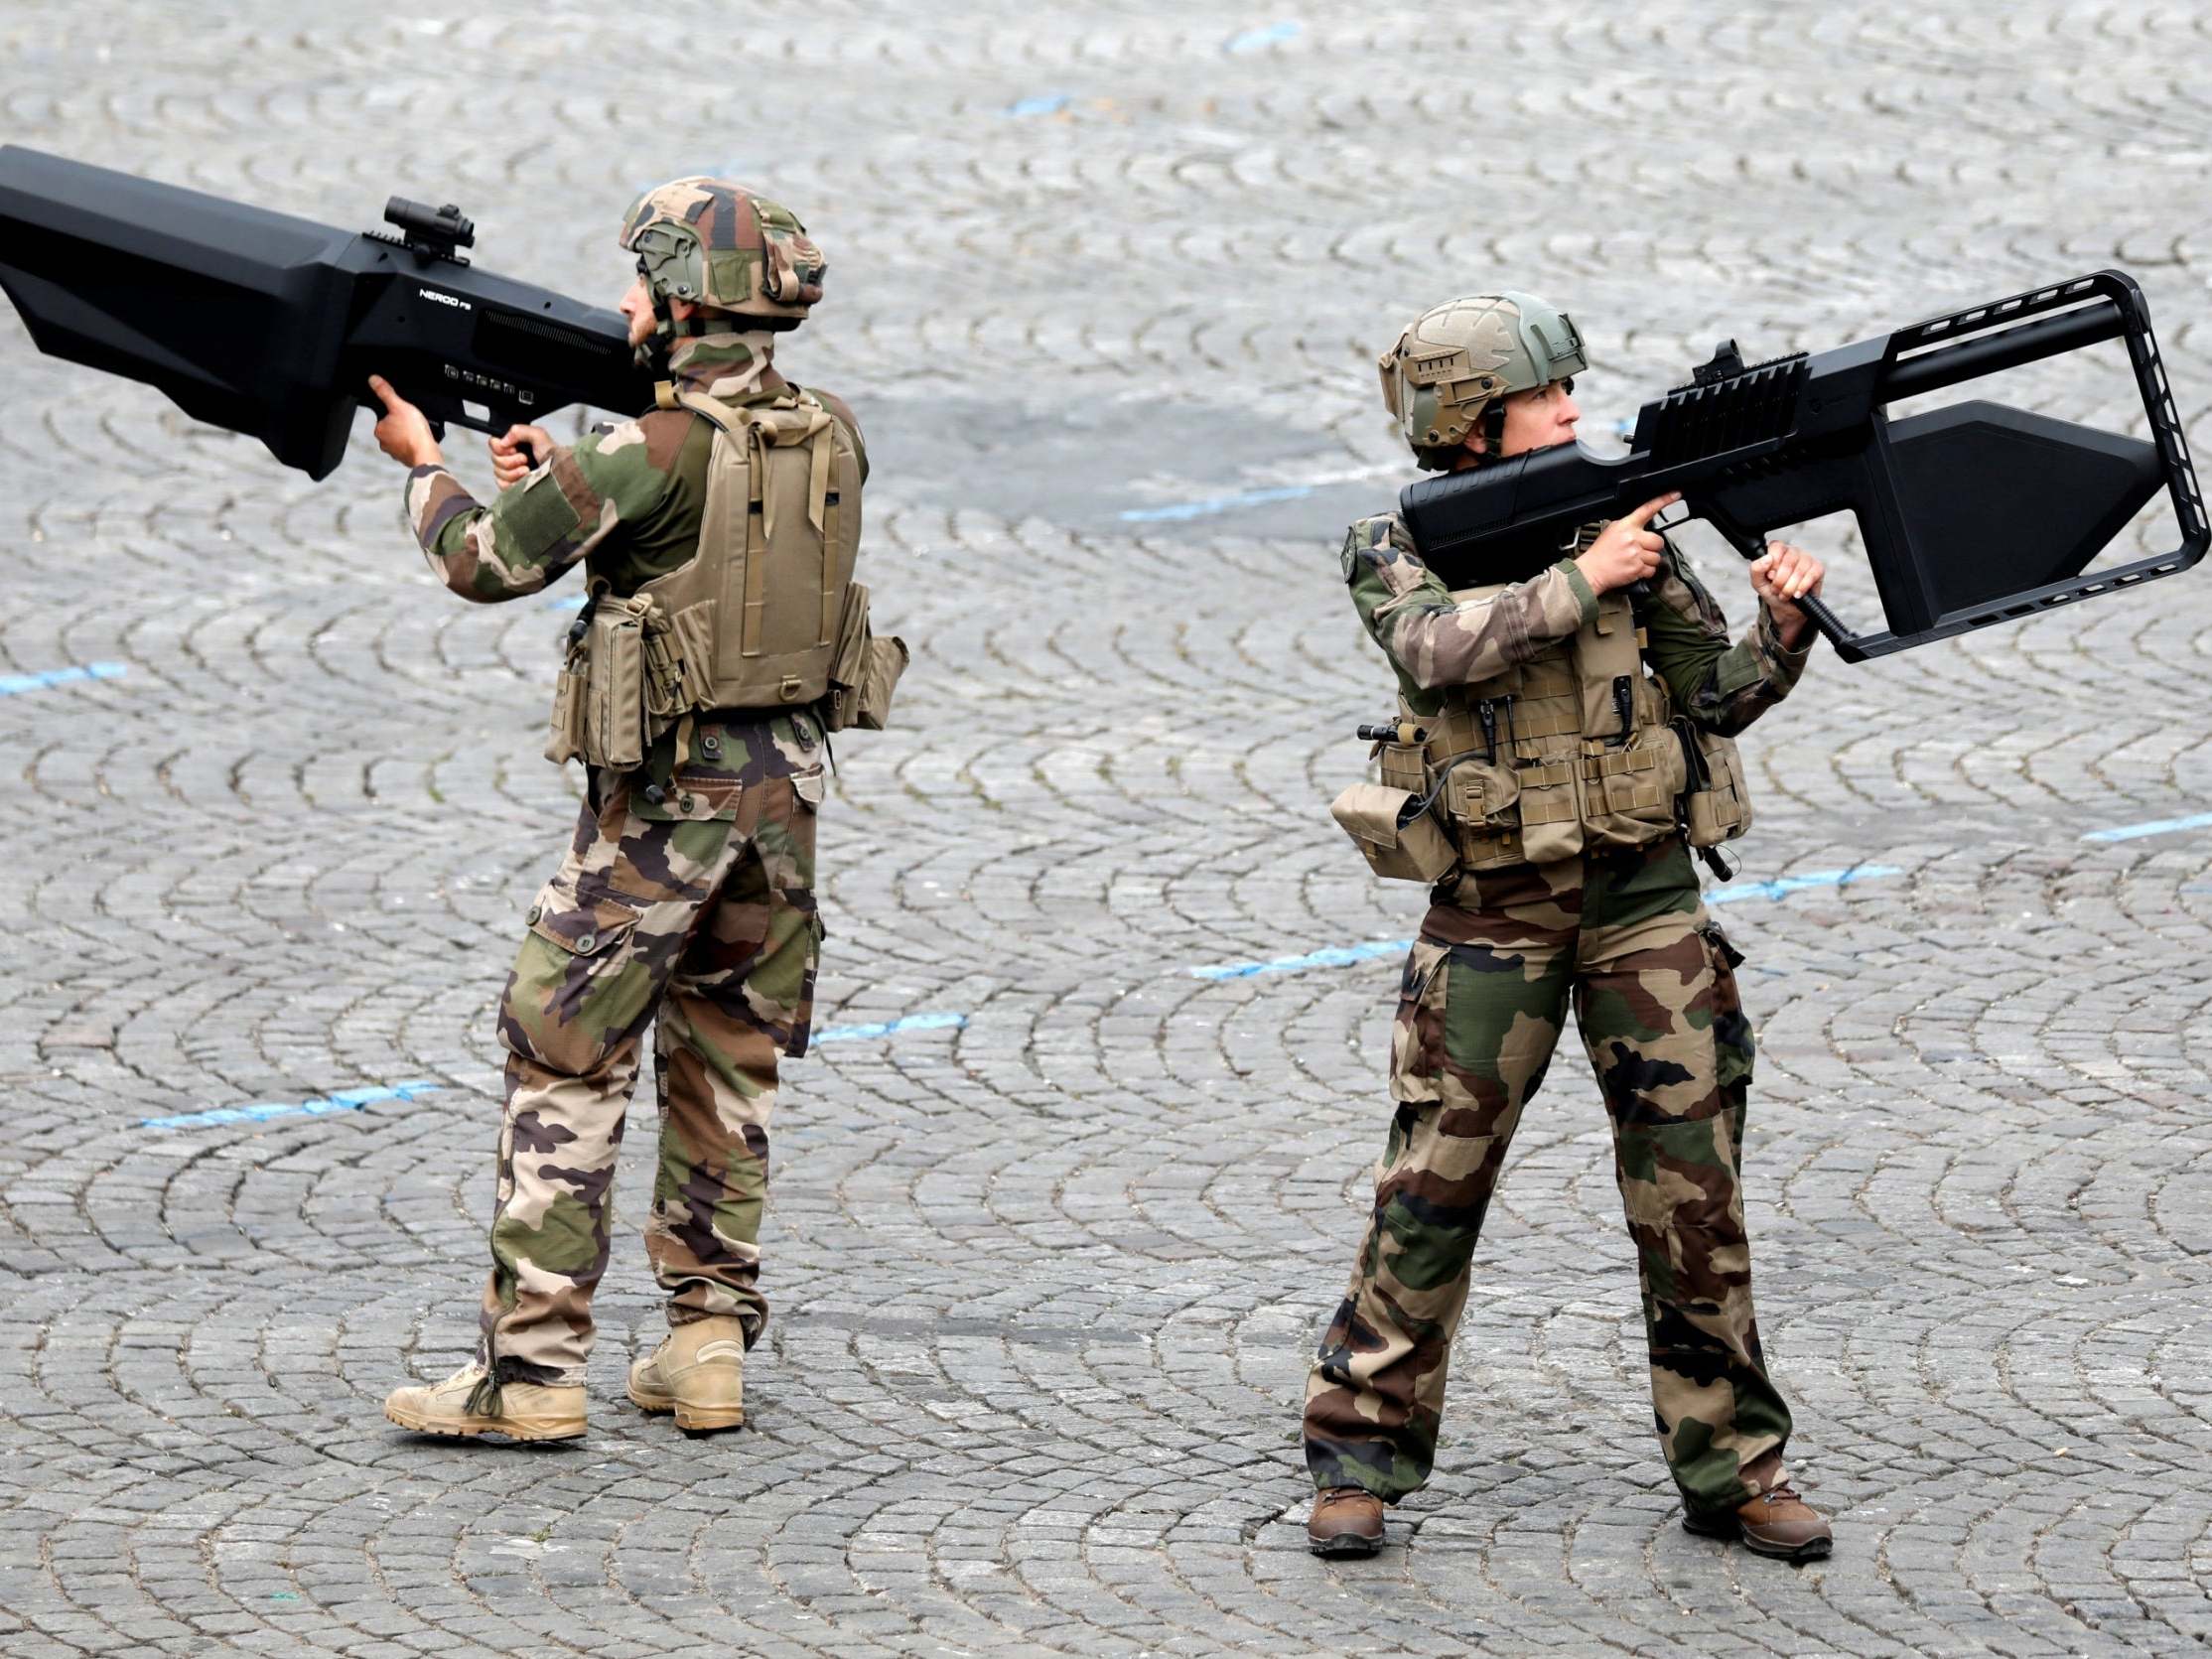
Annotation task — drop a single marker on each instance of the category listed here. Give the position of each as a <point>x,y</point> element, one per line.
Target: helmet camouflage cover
<point>715,244</point>
<point>1459,357</point>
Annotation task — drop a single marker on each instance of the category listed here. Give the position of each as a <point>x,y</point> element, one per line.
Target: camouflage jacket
<point>627,503</point>
<point>1436,641</point>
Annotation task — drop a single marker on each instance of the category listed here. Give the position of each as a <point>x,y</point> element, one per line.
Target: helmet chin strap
<point>652,354</point>
<point>1493,426</point>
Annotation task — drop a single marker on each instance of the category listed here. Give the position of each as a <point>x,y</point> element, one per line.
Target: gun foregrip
<point>1826,621</point>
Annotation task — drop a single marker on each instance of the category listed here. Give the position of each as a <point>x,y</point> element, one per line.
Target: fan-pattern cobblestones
<point>1045,1281</point>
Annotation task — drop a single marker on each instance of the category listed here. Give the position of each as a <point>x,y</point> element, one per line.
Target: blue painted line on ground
<point>1342,957</point>
<point>14,684</point>
<point>891,1028</point>
<point>2156,826</point>
<point>261,1111</point>
<point>575,602</point>
<point>1336,956</point>
<point>1255,40</point>
<point>1783,886</point>
<point>1216,503</point>
<point>1043,103</point>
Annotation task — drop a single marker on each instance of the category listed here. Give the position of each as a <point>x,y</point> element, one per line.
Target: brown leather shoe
<point>1347,1521</point>
<point>1776,1523</point>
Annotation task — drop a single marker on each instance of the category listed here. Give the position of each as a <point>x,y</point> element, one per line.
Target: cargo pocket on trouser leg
<point>1417,1035</point>
<point>1734,1050</point>
<point>570,1020</point>
<point>779,986</point>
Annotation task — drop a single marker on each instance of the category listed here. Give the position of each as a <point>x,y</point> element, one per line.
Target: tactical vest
<point>1576,750</point>
<point>764,616</point>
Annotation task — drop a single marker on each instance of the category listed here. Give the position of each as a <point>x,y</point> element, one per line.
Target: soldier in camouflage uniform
<point>686,898</point>
<point>1605,918</point>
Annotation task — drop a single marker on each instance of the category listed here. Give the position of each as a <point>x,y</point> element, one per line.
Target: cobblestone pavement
<point>1108,281</point>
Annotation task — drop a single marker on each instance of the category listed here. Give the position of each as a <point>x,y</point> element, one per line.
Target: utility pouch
<point>1551,811</point>
<point>1630,791</point>
<point>1403,766</point>
<point>864,672</point>
<point>1715,807</point>
<point>616,676</point>
<point>565,742</point>
<point>1399,839</point>
<point>1607,658</point>
<point>1480,800</point>
<point>886,661</point>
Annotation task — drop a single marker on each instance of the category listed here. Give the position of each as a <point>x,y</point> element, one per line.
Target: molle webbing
<point>1569,749</point>
<point>1528,704</point>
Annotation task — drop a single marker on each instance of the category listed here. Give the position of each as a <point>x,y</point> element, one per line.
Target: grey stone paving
<point>1046,1283</point>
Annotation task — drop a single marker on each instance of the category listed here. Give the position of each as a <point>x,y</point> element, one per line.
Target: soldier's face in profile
<point>1536,420</point>
<point>636,307</point>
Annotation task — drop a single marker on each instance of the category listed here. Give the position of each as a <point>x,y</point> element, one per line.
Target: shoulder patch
<point>1377,544</point>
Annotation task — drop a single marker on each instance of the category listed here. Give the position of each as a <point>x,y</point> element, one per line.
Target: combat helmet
<point>1457,361</point>
<point>718,245</point>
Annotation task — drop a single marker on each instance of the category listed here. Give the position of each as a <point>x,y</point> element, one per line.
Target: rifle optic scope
<point>433,229</point>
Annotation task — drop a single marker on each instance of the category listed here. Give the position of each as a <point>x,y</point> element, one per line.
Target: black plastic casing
<point>1970,515</point>
<point>266,323</point>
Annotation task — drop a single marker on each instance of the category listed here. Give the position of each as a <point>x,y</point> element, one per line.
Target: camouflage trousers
<point>1481,1007</point>
<point>711,925</point>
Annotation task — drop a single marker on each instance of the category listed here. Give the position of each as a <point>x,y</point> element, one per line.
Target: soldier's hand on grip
<point>1781,577</point>
<point>1785,574</point>
<point>403,433</point>
<point>1627,550</point>
<point>517,451</point>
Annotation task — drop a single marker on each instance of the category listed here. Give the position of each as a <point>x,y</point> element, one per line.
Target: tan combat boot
<point>520,1411</point>
<point>697,1372</point>
<point>1347,1521</point>
<point>1776,1523</point>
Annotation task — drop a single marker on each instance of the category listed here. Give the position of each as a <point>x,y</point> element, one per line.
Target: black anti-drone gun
<point>1969,514</point>
<point>270,325</point>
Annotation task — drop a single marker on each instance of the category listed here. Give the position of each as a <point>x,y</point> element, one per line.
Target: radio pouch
<point>1715,807</point>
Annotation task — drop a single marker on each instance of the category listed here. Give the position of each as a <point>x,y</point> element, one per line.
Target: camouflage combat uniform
<point>687,893</point>
<point>1623,936</point>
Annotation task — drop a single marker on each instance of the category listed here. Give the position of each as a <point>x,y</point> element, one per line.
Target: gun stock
<point>1970,516</point>
<point>270,325</point>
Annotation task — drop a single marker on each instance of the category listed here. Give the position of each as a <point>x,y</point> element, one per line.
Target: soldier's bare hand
<point>1784,575</point>
<point>403,431</point>
<point>1627,550</point>
<point>517,451</point>
<point>1781,577</point>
